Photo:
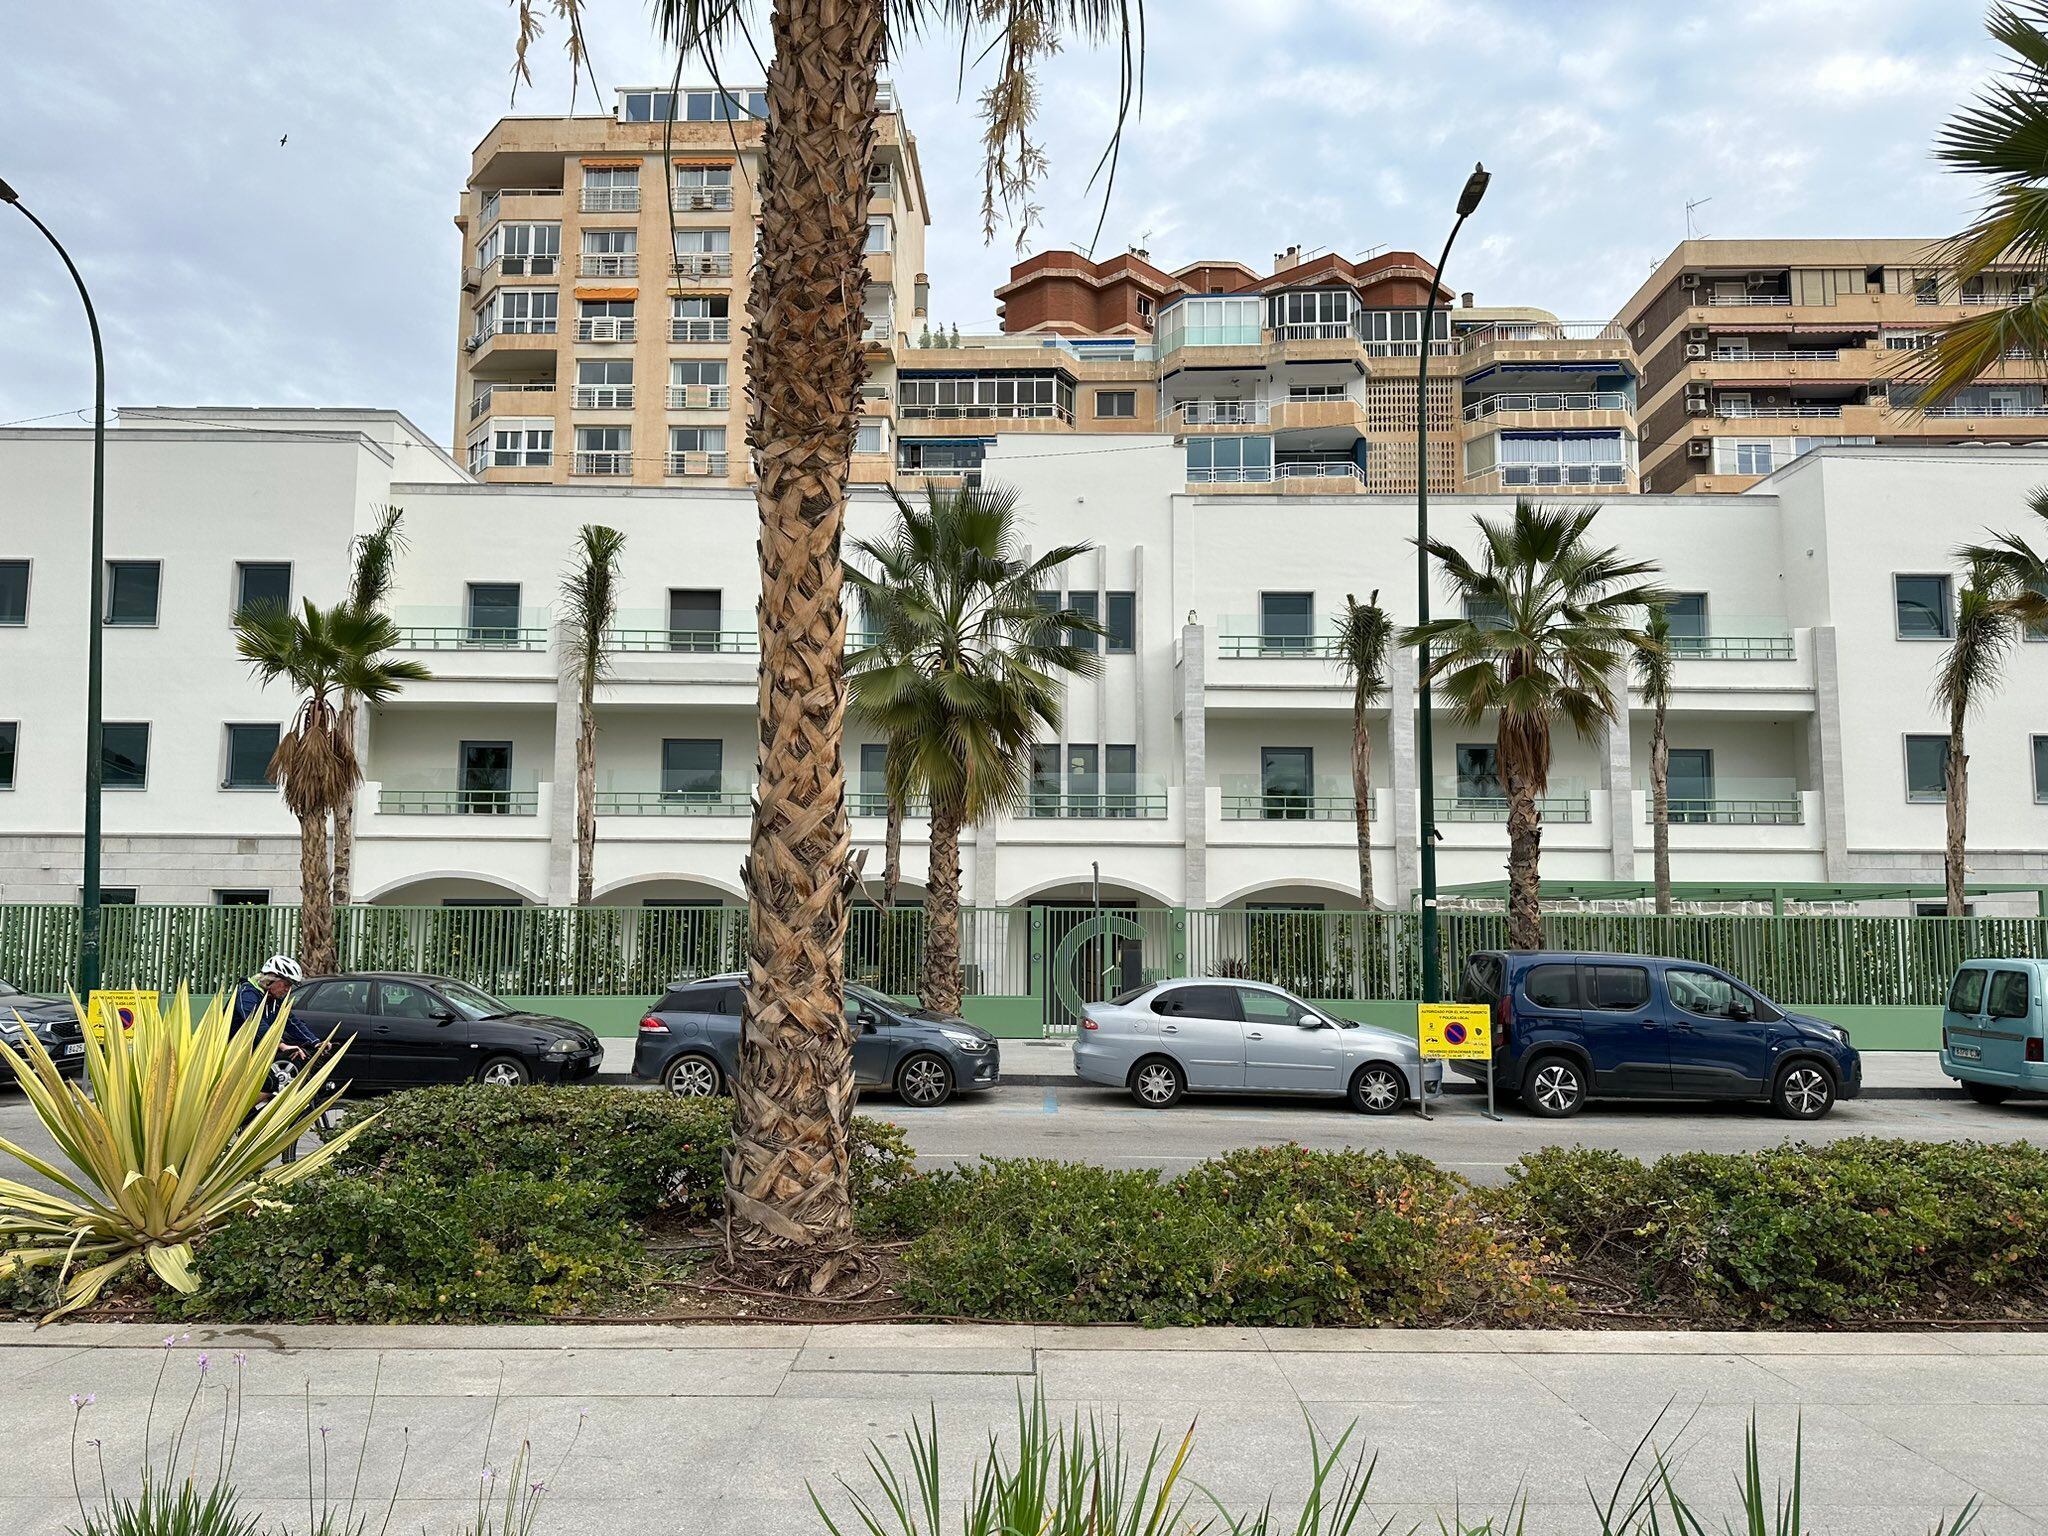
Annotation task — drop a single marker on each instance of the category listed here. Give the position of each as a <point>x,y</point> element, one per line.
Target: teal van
<point>1995,1029</point>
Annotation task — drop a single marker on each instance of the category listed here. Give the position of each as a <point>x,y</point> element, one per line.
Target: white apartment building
<point>1207,766</point>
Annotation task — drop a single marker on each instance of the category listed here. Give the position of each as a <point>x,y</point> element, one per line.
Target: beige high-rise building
<point>1754,351</point>
<point>604,290</point>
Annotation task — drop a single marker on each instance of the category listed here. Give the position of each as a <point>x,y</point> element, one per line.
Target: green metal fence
<point>1005,952</point>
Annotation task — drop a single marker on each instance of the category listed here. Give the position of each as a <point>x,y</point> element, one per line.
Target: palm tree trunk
<point>941,989</point>
<point>1956,791</point>
<point>1361,803</point>
<point>789,1215</point>
<point>316,897</point>
<point>1660,809</point>
<point>586,797</point>
<point>1525,848</point>
<point>892,854</point>
<point>345,815</point>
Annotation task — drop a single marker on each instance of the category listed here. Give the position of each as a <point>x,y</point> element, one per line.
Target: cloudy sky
<point>230,268</point>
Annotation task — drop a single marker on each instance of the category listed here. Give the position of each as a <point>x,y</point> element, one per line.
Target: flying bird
<point>280,142</point>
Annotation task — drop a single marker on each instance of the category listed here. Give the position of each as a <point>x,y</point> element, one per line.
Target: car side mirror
<point>1314,1021</point>
<point>443,1015</point>
<point>1741,1012</point>
<point>868,1023</point>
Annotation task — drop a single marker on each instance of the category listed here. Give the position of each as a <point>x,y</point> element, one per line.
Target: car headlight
<point>1841,1034</point>
<point>965,1041</point>
<point>561,1047</point>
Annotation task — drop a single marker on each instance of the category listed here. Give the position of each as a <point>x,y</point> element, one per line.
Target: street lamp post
<point>1432,970</point>
<point>89,925</point>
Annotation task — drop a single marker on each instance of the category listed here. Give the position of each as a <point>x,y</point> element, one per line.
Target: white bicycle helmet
<point>284,966</point>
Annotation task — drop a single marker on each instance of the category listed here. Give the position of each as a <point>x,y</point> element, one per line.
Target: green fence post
<point>1038,987</point>
<point>1179,932</point>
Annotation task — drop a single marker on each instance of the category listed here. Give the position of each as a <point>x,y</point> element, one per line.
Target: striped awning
<point>595,164</point>
<point>607,293</point>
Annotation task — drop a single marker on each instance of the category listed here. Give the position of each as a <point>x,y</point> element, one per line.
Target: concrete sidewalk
<point>718,1429</point>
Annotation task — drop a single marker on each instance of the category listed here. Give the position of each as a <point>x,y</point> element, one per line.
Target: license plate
<point>1967,1052</point>
<point>75,1050</point>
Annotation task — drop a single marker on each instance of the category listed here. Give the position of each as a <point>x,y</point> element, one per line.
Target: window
<point>1144,307</point>
<point>867,438</point>
<point>485,781</point>
<point>124,755</point>
<point>610,242</point>
<point>10,733</point>
<point>1315,391</point>
<point>873,799</point>
<point>692,770</point>
<point>1045,780</point>
<point>1121,404</point>
<point>1616,988</point>
<point>1120,618</point>
<point>696,106</point>
<point>1967,995</point>
<point>1324,313</point>
<point>494,612</point>
<point>522,250</point>
<point>1708,996</point>
<point>1229,460</point>
<point>1046,602</point>
<point>1286,780</point>
<point>1084,779</point>
<point>117,895</point>
<point>878,236</point>
<point>1686,613</point>
<point>242,897</point>
<point>265,584</point>
<point>13,591</point>
<point>1085,604</point>
<point>2007,997</point>
<point>611,189</point>
<point>1486,613</point>
<point>1286,620</point>
<point>1211,323</point>
<point>694,618</point>
<point>250,748</point>
<point>1940,909</point>
<point>1689,783</point>
<point>1552,986</point>
<point>521,311</point>
<point>1927,768</point>
<point>1479,772</point>
<point>1923,607</point>
<point>334,997</point>
<point>696,450</point>
<point>132,591</point>
<point>1481,981</point>
<point>1753,458</point>
<point>1198,1003</point>
<point>1263,1007</point>
<point>604,383</point>
<point>696,373</point>
<point>699,318</point>
<point>402,1000</point>
<point>604,451</point>
<point>2041,770</point>
<point>1120,779</point>
<point>524,444</point>
<point>1027,395</point>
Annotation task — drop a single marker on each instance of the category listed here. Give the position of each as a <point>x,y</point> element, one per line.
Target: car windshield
<point>8,989</point>
<point>869,998</point>
<point>470,1003</point>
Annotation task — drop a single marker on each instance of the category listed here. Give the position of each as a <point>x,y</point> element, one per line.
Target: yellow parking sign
<point>123,1007</point>
<point>1455,1031</point>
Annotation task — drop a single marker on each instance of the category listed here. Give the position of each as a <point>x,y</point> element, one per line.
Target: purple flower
<point>535,1487</point>
<point>241,1357</point>
<point>205,1365</point>
<point>488,1475</point>
<point>84,1402</point>
<point>171,1342</point>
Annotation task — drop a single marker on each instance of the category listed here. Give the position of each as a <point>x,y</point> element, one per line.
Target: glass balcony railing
<point>1242,635</point>
<point>1463,800</point>
<point>1142,798</point>
<point>651,629</point>
<point>1731,803</point>
<point>460,629</point>
<point>875,803</point>
<point>1579,400</point>
<point>521,799</point>
<point>1248,798</point>
<point>1737,639</point>
<point>728,797</point>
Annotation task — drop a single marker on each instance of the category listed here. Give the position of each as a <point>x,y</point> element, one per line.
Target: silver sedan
<point>1211,1035</point>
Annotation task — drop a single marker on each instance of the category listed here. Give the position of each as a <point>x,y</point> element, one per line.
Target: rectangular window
<point>1926,768</point>
<point>1753,458</point>
<point>10,733</point>
<point>1084,603</point>
<point>1119,404</point>
<point>13,591</point>
<point>528,444</point>
<point>694,616</point>
<point>117,895</point>
<point>1046,602</point>
<point>1121,620</point>
<point>1286,620</point>
<point>485,778</point>
<point>124,755</point>
<point>1689,781</point>
<point>2007,997</point>
<point>692,771</point>
<point>1286,780</point>
<point>250,748</point>
<point>1120,779</point>
<point>132,591</point>
<point>1923,606</point>
<point>1616,988</point>
<point>867,438</point>
<point>2041,770</point>
<point>1686,613</point>
<point>1479,772</point>
<point>604,451</point>
<point>1229,460</point>
<point>874,779</point>
<point>1967,995</point>
<point>878,236</point>
<point>1045,780</point>
<point>524,312</point>
<point>494,612</point>
<point>262,584</point>
<point>241,898</point>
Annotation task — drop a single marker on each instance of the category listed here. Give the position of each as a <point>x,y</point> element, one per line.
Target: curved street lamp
<point>89,926</point>
<point>1432,970</point>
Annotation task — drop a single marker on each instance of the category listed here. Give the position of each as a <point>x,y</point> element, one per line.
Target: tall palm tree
<point>1363,634</point>
<point>590,602</point>
<point>1549,619</point>
<point>2001,137</point>
<point>1984,631</point>
<point>325,654</point>
<point>2020,568</point>
<point>375,561</point>
<point>966,675</point>
<point>1653,674</point>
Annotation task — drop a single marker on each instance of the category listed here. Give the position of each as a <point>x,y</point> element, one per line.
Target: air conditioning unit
<point>472,344</point>
<point>1697,405</point>
<point>470,281</point>
<point>1689,280</point>
<point>1698,333</point>
<point>1700,448</point>
<point>1695,349</point>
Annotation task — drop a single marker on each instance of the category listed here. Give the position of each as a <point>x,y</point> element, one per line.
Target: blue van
<point>1569,1027</point>
<point>1993,1028</point>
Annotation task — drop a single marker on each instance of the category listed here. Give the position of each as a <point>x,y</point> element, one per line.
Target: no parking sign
<point>1458,1032</point>
<point>124,1008</point>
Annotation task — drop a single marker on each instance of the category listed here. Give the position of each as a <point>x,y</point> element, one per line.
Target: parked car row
<point>1566,1028</point>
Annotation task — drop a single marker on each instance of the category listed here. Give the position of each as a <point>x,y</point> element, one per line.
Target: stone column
<point>1824,752</point>
<point>1402,694</point>
<point>1617,773</point>
<point>1194,764</point>
<point>561,887</point>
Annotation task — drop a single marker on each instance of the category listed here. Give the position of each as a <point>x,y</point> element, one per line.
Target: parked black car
<point>52,1020</point>
<point>407,1030</point>
<point>690,1044</point>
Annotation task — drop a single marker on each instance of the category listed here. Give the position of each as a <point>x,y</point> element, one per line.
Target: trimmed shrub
<point>1857,1230</point>
<point>413,1249</point>
<point>1276,1235</point>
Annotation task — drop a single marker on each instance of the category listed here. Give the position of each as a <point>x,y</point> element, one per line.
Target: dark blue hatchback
<point>1569,1027</point>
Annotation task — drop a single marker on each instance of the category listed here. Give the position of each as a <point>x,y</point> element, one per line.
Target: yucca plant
<point>162,1143</point>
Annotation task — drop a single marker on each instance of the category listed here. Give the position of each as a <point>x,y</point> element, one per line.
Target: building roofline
<point>187,435</point>
<point>234,417</point>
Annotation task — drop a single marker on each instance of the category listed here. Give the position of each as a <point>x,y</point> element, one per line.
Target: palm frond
<point>590,601</point>
<point>1364,631</point>
<point>1985,630</point>
<point>374,560</point>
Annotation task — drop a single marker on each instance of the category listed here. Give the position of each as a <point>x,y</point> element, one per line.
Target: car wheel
<point>1554,1087</point>
<point>1804,1091</point>
<point>1158,1083</point>
<point>691,1076</point>
<point>504,1072</point>
<point>1378,1089</point>
<point>1987,1093</point>
<point>924,1080</point>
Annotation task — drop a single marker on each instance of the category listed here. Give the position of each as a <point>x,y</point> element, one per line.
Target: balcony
<point>602,461</point>
<point>644,632</point>
<point>1735,803</point>
<point>702,264</point>
<point>1777,355</point>
<point>700,332</point>
<point>1568,801</point>
<point>606,328</point>
<point>699,397</point>
<point>697,465</point>
<point>1333,330</point>
<point>2010,300</point>
<point>1562,477</point>
<point>1737,640</point>
<point>604,397</point>
<point>611,200</point>
<point>1587,400</point>
<point>1525,332</point>
<point>702,200</point>
<point>455,629</point>
<point>1034,411</point>
<point>1750,300</point>
<point>1996,408</point>
<point>519,399</point>
<point>1320,475</point>
<point>611,264</point>
<point>1145,800</point>
<point>878,333</point>
<point>1734,411</point>
<point>393,800</point>
<point>1218,413</point>
<point>523,333</point>
<point>1238,638</point>
<point>517,202</point>
<point>1246,798</point>
<point>729,799</point>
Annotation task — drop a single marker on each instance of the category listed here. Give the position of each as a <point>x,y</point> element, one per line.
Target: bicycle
<point>324,1125</point>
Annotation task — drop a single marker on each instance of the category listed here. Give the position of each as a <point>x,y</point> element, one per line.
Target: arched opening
<point>452,889</point>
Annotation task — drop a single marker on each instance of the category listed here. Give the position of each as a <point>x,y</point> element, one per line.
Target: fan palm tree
<point>2001,137</point>
<point>1548,622</point>
<point>1985,627</point>
<point>325,654</point>
<point>590,602</point>
<point>375,560</point>
<point>966,675</point>
<point>1363,634</point>
<point>1653,675</point>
